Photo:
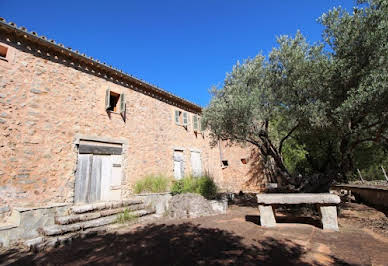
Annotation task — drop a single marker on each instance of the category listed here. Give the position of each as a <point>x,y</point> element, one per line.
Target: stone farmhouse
<point>76,130</point>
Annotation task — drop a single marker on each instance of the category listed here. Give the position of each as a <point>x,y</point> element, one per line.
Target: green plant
<point>152,184</point>
<point>126,216</point>
<point>207,187</point>
<point>308,107</point>
<point>203,185</point>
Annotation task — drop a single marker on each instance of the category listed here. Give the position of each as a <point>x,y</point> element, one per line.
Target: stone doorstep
<point>77,209</point>
<point>69,219</point>
<point>63,229</point>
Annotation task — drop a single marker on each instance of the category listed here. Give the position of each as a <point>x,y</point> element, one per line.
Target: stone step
<point>54,230</point>
<point>43,242</point>
<point>75,218</point>
<point>77,209</point>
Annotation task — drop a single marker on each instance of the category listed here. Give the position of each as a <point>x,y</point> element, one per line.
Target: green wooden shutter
<point>177,117</point>
<point>202,128</point>
<point>107,99</point>
<point>185,122</point>
<point>195,122</point>
<point>122,103</point>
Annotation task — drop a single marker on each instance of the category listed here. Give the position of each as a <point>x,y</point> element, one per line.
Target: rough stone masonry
<point>52,98</point>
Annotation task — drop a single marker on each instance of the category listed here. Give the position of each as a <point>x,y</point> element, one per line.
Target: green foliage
<point>369,158</point>
<point>206,187</point>
<point>294,155</point>
<point>203,185</point>
<point>310,108</point>
<point>126,216</point>
<point>152,184</point>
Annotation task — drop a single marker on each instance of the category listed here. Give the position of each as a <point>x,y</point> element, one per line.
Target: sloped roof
<point>58,47</point>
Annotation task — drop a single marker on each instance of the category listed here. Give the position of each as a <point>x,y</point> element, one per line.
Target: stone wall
<point>244,171</point>
<point>27,221</point>
<point>46,101</point>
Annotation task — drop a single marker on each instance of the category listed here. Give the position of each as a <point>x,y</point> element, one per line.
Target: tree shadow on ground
<point>181,244</point>
<point>287,219</point>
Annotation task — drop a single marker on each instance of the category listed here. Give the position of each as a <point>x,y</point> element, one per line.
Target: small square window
<point>3,52</point>
<point>244,160</point>
<point>225,163</point>
<point>115,102</point>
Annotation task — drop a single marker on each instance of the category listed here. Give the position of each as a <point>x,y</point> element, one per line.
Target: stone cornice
<point>125,78</point>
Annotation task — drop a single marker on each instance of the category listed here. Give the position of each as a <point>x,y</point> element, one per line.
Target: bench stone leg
<point>267,217</point>
<point>329,217</point>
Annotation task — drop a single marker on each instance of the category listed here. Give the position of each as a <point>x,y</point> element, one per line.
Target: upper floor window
<point>197,125</point>
<point>3,51</point>
<point>181,118</point>
<point>114,102</point>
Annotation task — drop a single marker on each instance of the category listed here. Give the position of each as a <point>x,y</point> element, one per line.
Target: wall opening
<point>3,52</point>
<point>114,100</point>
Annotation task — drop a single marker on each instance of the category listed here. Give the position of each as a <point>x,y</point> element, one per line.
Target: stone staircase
<point>85,220</point>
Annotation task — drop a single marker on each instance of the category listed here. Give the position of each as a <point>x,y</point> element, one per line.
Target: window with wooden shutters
<point>177,116</point>
<point>112,101</point>
<point>195,122</point>
<point>185,119</point>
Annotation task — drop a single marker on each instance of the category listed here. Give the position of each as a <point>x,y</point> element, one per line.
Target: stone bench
<point>327,205</point>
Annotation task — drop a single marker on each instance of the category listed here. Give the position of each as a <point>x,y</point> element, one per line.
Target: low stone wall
<point>376,196</point>
<point>25,222</point>
<point>160,202</point>
<point>219,206</point>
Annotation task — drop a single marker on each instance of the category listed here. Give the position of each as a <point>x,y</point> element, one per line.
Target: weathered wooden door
<point>98,178</point>
<point>178,164</point>
<point>88,178</point>
<point>196,165</point>
<point>111,178</point>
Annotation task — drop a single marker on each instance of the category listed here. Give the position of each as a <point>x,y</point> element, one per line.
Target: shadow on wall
<point>257,175</point>
<point>182,244</point>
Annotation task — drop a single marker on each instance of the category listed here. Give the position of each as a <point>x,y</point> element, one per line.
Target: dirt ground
<point>232,239</point>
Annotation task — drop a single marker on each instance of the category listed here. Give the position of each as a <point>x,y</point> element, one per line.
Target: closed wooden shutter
<point>177,116</point>
<point>196,164</point>
<point>200,124</point>
<point>195,122</point>
<point>107,99</point>
<point>122,104</point>
<point>185,120</point>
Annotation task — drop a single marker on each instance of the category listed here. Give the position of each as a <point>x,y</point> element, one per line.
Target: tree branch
<point>286,137</point>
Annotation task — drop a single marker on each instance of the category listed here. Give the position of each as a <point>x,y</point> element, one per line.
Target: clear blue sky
<point>184,47</point>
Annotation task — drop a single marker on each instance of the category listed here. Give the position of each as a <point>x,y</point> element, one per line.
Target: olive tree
<point>328,100</point>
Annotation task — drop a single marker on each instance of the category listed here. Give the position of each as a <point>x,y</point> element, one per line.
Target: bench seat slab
<point>298,198</point>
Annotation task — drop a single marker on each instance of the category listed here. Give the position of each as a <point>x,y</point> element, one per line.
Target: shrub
<point>152,184</point>
<point>207,187</point>
<point>126,216</point>
<point>203,185</point>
